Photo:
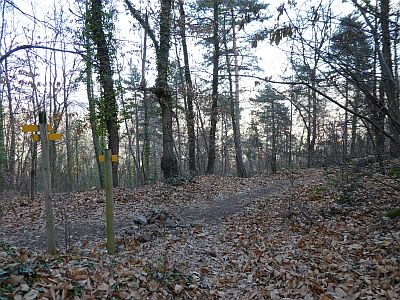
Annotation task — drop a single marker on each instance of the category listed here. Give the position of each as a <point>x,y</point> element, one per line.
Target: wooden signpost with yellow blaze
<point>35,128</point>
<point>107,158</point>
<point>44,138</point>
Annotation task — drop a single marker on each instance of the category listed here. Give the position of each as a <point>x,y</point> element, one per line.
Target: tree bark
<point>273,137</point>
<point>189,94</point>
<point>92,104</point>
<point>146,131</point>
<point>233,103</point>
<point>378,114</point>
<point>106,81</point>
<point>169,163</point>
<point>2,147</point>
<point>345,126</point>
<point>214,96</point>
<point>235,109</point>
<point>11,154</point>
<point>314,113</point>
<point>67,128</point>
<point>388,80</point>
<point>354,119</point>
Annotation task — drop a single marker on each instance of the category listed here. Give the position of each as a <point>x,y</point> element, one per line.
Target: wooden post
<point>109,203</point>
<point>51,249</point>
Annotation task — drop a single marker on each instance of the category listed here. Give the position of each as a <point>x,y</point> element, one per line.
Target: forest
<point>120,76</point>
<point>199,149</point>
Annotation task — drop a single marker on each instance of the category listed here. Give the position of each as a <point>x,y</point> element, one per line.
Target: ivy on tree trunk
<point>110,109</point>
<point>169,163</point>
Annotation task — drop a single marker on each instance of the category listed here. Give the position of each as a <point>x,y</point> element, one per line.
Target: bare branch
<point>22,47</point>
<point>136,14</point>
<point>326,97</point>
<point>28,15</point>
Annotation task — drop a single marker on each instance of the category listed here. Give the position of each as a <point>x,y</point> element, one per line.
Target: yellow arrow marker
<point>114,158</point>
<point>34,128</point>
<point>55,136</point>
<point>30,128</point>
<point>51,137</point>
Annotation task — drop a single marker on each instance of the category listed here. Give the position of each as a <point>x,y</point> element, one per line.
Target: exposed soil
<point>324,237</point>
<point>82,215</point>
<point>221,207</point>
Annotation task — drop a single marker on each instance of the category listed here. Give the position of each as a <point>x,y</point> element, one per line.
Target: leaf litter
<point>309,235</point>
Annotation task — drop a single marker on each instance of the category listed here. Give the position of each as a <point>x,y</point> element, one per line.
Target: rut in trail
<point>207,205</point>
<point>212,211</point>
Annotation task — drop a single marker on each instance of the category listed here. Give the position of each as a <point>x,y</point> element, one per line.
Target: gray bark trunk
<point>214,96</point>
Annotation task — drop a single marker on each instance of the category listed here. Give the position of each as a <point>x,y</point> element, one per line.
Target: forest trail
<point>82,214</point>
<point>215,238</point>
<point>220,207</point>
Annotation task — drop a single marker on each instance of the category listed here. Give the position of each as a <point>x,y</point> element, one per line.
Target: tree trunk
<point>353,138</point>
<point>2,145</point>
<point>378,114</point>
<point>379,119</point>
<point>214,96</point>
<point>388,81</point>
<point>396,58</point>
<point>273,137</point>
<point>189,95</point>
<point>241,170</point>
<point>201,132</point>
<point>146,141</point>
<point>314,114</point>
<point>169,163</point>
<point>224,151</point>
<point>11,154</point>
<point>345,125</point>
<point>110,112</point>
<point>2,148</point>
<point>132,152</point>
<point>146,131</point>
<point>290,160</point>
<point>139,178</point>
<point>233,102</point>
<point>67,128</point>
<point>33,172</point>
<point>77,164</point>
<point>309,127</point>
<point>92,103</point>
<point>35,104</point>
<point>178,149</point>
<point>55,109</point>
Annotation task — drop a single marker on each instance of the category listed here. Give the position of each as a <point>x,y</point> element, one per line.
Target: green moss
<point>345,198</point>
<point>394,172</point>
<point>318,192</point>
<point>394,213</point>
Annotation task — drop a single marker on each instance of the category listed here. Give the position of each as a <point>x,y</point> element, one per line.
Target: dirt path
<point>86,222</point>
<point>244,244</point>
<point>211,212</point>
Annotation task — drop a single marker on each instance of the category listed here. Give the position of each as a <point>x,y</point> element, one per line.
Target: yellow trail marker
<point>55,136</point>
<point>50,137</point>
<point>114,158</point>
<point>34,128</point>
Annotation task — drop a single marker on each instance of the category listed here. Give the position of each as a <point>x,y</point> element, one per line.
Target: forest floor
<point>303,235</point>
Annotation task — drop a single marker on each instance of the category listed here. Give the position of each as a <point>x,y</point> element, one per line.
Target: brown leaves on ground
<point>323,235</point>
